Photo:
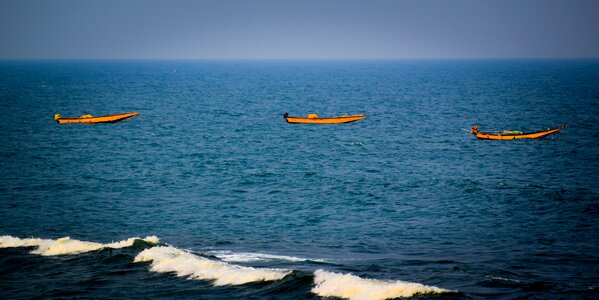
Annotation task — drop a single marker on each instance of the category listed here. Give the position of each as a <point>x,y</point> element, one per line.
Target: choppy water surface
<point>210,194</point>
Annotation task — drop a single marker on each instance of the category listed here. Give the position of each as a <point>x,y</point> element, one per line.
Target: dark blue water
<point>210,166</point>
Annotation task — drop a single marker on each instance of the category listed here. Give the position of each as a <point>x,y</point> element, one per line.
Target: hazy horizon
<point>302,59</point>
<point>298,30</point>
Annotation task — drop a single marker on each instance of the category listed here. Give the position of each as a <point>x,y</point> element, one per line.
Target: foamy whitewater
<point>185,264</point>
<point>230,256</point>
<point>168,259</point>
<point>66,245</point>
<point>329,284</point>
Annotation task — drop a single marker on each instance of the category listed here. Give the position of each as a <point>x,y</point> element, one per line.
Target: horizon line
<point>304,59</point>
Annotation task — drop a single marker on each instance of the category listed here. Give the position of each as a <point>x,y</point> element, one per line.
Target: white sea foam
<point>186,264</point>
<point>329,284</point>
<point>66,245</point>
<point>230,256</point>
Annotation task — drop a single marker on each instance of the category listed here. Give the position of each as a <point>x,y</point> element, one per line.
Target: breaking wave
<point>329,284</point>
<point>186,264</point>
<point>66,245</point>
<point>168,259</point>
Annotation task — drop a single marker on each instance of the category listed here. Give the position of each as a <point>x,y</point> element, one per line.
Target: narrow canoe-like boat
<point>91,119</point>
<point>514,135</point>
<point>315,119</point>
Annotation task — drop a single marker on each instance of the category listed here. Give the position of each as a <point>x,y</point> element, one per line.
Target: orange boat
<point>514,135</point>
<point>92,119</point>
<point>315,119</point>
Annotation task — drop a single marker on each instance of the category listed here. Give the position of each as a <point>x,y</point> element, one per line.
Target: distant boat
<point>92,119</point>
<point>315,119</point>
<point>514,135</point>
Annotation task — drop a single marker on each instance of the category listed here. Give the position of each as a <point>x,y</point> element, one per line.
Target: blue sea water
<point>211,167</point>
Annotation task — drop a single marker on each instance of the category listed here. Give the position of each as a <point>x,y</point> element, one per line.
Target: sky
<point>308,29</point>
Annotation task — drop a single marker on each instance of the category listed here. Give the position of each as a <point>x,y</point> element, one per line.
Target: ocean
<point>210,194</point>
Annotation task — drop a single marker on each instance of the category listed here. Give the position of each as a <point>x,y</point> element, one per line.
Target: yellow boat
<point>315,119</point>
<point>92,119</point>
<point>514,135</point>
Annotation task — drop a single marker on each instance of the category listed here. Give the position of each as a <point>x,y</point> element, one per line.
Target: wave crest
<point>66,245</point>
<point>230,256</point>
<point>185,264</point>
<point>329,284</point>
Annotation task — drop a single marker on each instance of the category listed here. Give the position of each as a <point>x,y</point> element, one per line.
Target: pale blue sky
<point>268,29</point>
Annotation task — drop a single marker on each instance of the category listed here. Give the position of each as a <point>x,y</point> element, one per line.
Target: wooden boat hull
<point>334,120</point>
<point>526,135</point>
<point>101,119</point>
